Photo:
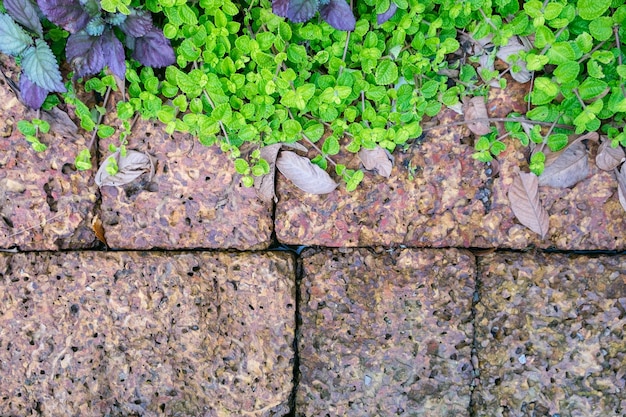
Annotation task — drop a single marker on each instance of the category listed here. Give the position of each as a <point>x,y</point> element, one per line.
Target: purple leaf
<point>113,53</point>
<point>383,17</point>
<point>24,12</point>
<point>280,7</point>
<point>32,95</point>
<point>154,50</point>
<point>85,54</point>
<point>301,10</point>
<point>137,23</point>
<point>338,14</point>
<point>69,14</point>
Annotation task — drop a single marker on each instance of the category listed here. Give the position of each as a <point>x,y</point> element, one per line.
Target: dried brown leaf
<point>98,229</point>
<point>130,167</point>
<point>621,186</point>
<point>608,157</point>
<point>265,184</point>
<point>305,175</point>
<point>377,159</point>
<point>524,198</point>
<point>60,122</point>
<point>475,108</point>
<point>570,167</point>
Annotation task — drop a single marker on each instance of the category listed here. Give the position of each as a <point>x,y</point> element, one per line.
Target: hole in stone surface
<point>8,221</point>
<point>68,169</point>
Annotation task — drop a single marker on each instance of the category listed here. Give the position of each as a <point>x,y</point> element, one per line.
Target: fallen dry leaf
<point>377,159</point>
<point>621,186</point>
<point>130,167</point>
<point>60,122</point>
<point>265,184</point>
<point>608,157</point>
<point>572,141</point>
<point>475,108</point>
<point>305,175</point>
<point>570,167</point>
<point>98,229</point>
<point>524,198</point>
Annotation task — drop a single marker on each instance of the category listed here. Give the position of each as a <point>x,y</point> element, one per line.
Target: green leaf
<point>105,131</point>
<point>40,66</point>
<point>601,28</point>
<point>13,39</point>
<point>113,6</point>
<point>561,52</point>
<point>314,130</point>
<point>241,166</point>
<point>292,99</point>
<point>592,9</point>
<point>386,73</point>
<point>557,141</point>
<point>537,163</point>
<point>497,147</point>
<point>83,160</point>
<point>591,87</point>
<point>292,128</point>
<point>482,144</point>
<point>567,71</point>
<point>331,146</point>
<point>353,179</point>
<point>543,37</point>
<point>26,128</point>
<point>536,62</point>
<point>544,91</point>
<point>552,10</point>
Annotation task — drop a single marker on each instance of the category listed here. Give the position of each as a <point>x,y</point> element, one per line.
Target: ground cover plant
<point>366,74</point>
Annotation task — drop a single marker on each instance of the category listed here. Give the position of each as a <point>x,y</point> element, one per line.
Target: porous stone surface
<point>550,335</point>
<point>146,334</point>
<point>45,204</point>
<point>194,200</point>
<point>439,196</point>
<point>385,334</point>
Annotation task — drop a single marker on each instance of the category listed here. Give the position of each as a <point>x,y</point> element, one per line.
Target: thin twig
<point>345,52</point>
<point>498,119</point>
<point>619,52</point>
<point>206,94</point>
<point>313,144</point>
<point>43,223</point>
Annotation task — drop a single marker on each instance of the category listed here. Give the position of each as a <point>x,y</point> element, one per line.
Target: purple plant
<point>91,46</point>
<point>336,13</point>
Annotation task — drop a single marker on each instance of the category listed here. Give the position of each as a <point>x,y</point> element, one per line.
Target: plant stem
<point>105,102</point>
<point>313,145</point>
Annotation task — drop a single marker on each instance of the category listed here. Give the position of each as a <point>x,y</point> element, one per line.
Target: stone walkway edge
<point>329,332</point>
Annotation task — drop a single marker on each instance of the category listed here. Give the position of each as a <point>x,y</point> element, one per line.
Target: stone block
<point>194,200</point>
<point>439,196</point>
<point>550,336</point>
<point>385,334</point>
<point>146,334</point>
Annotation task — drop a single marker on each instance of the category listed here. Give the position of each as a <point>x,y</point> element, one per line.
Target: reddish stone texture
<point>45,204</point>
<point>194,200</point>
<point>439,196</point>
<point>146,334</point>
<point>385,334</point>
<point>550,336</point>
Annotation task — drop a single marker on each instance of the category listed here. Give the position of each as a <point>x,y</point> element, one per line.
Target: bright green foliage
<point>31,129</point>
<point>244,76</point>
